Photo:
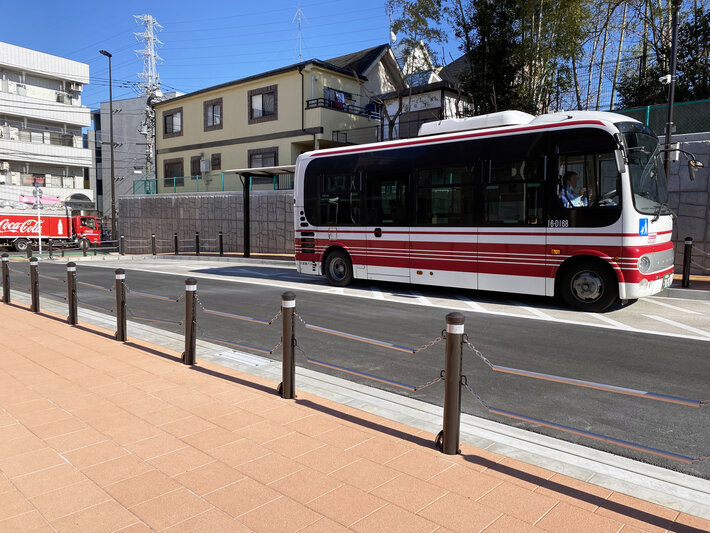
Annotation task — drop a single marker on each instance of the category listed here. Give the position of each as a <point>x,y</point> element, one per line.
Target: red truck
<point>21,227</point>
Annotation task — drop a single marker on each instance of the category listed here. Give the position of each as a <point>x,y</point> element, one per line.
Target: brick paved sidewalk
<point>99,436</point>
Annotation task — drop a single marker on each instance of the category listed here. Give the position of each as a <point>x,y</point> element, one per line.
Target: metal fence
<point>688,117</point>
<point>214,182</point>
<point>453,335</point>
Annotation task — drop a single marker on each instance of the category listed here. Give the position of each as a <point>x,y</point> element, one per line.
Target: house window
<point>172,123</point>
<point>216,161</point>
<point>173,175</point>
<point>213,114</point>
<point>195,166</point>
<point>264,157</point>
<point>263,104</point>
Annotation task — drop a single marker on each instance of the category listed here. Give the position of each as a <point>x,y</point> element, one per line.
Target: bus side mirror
<point>693,166</point>
<point>620,160</point>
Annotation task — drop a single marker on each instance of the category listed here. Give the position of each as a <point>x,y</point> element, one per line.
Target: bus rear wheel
<point>589,286</point>
<point>339,268</point>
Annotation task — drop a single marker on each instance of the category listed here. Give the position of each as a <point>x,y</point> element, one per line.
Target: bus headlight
<point>644,264</point>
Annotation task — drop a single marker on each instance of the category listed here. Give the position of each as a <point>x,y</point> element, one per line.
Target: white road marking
<point>669,306</point>
<point>533,310</point>
<point>376,293</point>
<point>611,321</point>
<point>335,290</point>
<point>679,325</point>
<point>473,305</point>
<point>420,298</point>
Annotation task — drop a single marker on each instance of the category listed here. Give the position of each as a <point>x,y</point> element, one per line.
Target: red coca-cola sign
<point>19,227</point>
<point>28,225</point>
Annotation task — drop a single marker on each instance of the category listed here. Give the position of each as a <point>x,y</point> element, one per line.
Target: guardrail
<point>454,336</point>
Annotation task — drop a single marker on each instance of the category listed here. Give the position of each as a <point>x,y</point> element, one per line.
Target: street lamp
<point>113,180</point>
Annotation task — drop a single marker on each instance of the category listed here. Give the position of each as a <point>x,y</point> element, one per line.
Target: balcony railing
<point>343,107</point>
<point>9,133</point>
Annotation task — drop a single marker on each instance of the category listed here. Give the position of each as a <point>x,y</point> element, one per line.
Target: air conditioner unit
<point>76,87</point>
<point>61,98</point>
<point>4,166</point>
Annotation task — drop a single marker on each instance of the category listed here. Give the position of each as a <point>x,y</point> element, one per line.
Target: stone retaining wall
<point>209,213</point>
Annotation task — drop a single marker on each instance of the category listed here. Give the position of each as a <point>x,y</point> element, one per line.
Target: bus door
<point>583,199</point>
<point>387,232</point>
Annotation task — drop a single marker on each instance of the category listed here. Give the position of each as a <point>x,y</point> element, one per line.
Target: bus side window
<point>513,192</point>
<point>340,198</point>
<point>388,200</point>
<point>588,181</point>
<point>445,196</point>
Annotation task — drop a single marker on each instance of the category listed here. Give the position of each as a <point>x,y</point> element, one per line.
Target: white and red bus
<point>569,204</point>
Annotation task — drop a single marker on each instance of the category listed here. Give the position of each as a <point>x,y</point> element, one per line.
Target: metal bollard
<point>175,241</point>
<point>153,247</point>
<point>34,285</point>
<point>687,256</point>
<point>51,249</point>
<point>452,394</point>
<point>197,243</point>
<point>120,305</point>
<point>73,317</point>
<point>288,367</point>
<point>221,245</point>
<point>188,356</point>
<point>84,246</point>
<point>122,245</point>
<point>62,252</point>
<point>6,278</point>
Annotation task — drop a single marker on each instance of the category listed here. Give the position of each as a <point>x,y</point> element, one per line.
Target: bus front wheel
<point>589,286</point>
<point>339,268</point>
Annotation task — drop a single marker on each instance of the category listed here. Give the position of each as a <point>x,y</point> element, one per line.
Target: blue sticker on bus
<point>643,227</point>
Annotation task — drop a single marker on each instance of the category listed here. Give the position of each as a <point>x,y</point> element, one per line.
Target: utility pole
<point>150,85</point>
<point>671,85</point>
<point>114,231</point>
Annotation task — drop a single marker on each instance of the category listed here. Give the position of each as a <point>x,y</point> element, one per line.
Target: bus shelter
<point>245,175</point>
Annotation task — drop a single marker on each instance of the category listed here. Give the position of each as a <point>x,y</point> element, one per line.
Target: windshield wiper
<point>659,208</point>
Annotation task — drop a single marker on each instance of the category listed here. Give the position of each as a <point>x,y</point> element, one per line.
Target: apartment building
<point>41,121</point>
<point>269,119</point>
<point>134,167</point>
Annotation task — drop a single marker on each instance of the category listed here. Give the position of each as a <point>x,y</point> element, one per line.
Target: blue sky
<point>216,42</point>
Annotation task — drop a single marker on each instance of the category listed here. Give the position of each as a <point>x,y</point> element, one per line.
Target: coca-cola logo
<point>22,226</point>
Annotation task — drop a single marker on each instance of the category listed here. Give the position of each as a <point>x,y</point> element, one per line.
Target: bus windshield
<point>648,176</point>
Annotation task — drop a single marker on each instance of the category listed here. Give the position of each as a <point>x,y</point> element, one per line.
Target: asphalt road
<point>664,364</point>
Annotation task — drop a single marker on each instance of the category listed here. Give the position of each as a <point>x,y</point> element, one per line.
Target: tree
<point>417,25</point>
<point>640,86</point>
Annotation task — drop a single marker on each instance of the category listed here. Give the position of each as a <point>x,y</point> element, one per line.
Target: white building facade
<point>41,121</point>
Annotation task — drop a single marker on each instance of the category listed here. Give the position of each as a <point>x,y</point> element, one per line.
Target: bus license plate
<point>667,280</point>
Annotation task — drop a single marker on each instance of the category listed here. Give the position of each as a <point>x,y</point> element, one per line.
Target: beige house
<point>269,119</point>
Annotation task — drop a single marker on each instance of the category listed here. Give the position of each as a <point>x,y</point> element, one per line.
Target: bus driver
<point>568,195</point>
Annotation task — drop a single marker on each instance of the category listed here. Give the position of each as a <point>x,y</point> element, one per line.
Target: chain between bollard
<point>431,343</point>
